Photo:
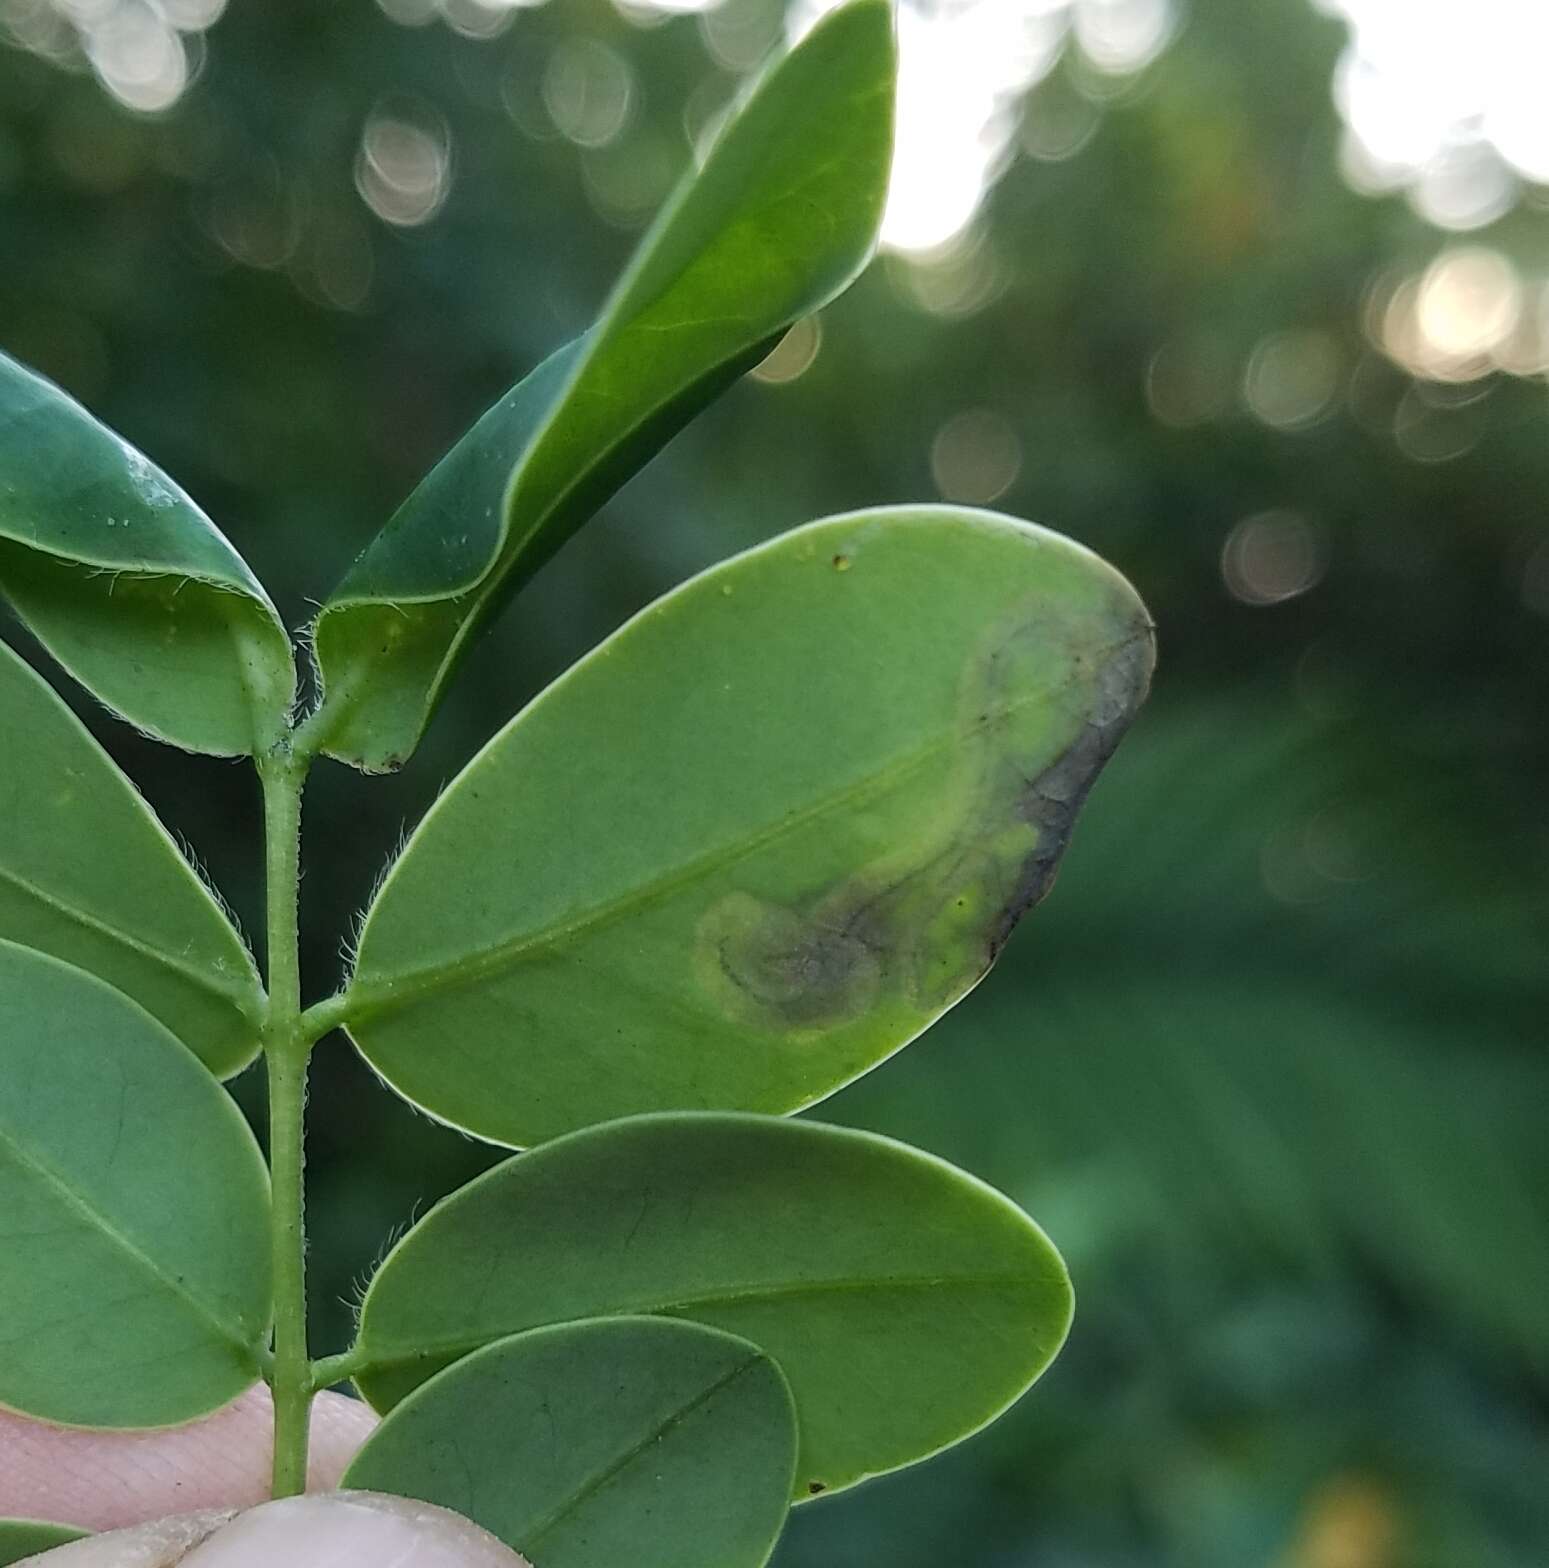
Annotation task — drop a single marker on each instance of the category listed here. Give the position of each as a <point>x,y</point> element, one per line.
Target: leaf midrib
<point>731,1296</point>
<point>196,975</point>
<point>118,566</point>
<point>75,1202</point>
<point>610,327</point>
<point>372,999</point>
<point>595,1482</point>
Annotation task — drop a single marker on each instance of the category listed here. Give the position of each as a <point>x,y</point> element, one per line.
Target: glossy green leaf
<point>88,874</point>
<point>760,838</point>
<point>625,1440</point>
<point>134,1211</point>
<point>780,219</point>
<point>21,1538</point>
<point>907,1303</point>
<point>128,584</point>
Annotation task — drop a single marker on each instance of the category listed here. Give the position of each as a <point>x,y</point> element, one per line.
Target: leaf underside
<point>907,1303</point>
<point>89,875</point>
<point>761,837</point>
<point>638,1440</point>
<point>129,585</point>
<point>21,1538</point>
<point>780,219</point>
<point>134,1212</point>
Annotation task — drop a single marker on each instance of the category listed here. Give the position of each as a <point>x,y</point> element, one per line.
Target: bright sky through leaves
<point>1446,100</point>
<point>964,67</point>
<point>1442,99</point>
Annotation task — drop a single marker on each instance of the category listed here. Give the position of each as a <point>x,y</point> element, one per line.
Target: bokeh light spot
<point>1431,432</point>
<point>965,65</point>
<point>793,356</point>
<point>956,280</point>
<point>193,16</point>
<point>477,18</point>
<point>1445,99</point>
<point>976,457</point>
<point>144,53</point>
<point>1057,121</point>
<point>1272,557</point>
<point>638,10</point>
<point>253,216</point>
<point>1470,312</point>
<point>1465,187</point>
<point>410,13</point>
<point>738,37</point>
<point>139,58</point>
<point>1122,36</point>
<point>1292,378</point>
<point>404,168</point>
<point>589,91</point>
<point>1525,350</point>
<point>1468,303</point>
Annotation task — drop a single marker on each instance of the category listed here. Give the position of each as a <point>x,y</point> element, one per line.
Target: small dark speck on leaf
<point>814,1487</point>
<point>841,563</point>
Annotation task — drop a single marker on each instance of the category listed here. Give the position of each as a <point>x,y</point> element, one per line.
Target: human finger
<point>103,1480</point>
<point>337,1530</point>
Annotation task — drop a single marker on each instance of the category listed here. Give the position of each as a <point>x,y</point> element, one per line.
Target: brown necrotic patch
<point>805,968</point>
<point>1043,705</point>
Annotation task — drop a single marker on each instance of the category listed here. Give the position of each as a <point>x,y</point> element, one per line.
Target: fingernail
<point>337,1530</point>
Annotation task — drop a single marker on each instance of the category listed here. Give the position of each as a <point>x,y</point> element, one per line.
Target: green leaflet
<point>780,219</point>
<point>761,837</point>
<point>88,874</point>
<point>21,1538</point>
<point>626,1440</point>
<point>134,1207</point>
<point>907,1303</point>
<point>128,584</point>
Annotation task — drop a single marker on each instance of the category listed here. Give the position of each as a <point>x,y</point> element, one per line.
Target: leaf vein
<point>76,1202</point>
<point>595,1482</point>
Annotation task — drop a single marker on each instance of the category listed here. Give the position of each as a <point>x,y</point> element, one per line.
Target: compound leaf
<point>623,1440</point>
<point>21,1538</point>
<point>134,1263</point>
<point>779,220</point>
<point>759,839</point>
<point>906,1302</point>
<point>128,584</point>
<point>88,874</point>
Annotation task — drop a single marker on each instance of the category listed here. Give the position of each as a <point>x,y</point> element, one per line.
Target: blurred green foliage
<point>1270,1063</point>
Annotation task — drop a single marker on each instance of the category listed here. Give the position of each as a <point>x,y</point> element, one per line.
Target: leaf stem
<point>286,1049</point>
<point>324,1017</point>
<point>328,1370</point>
